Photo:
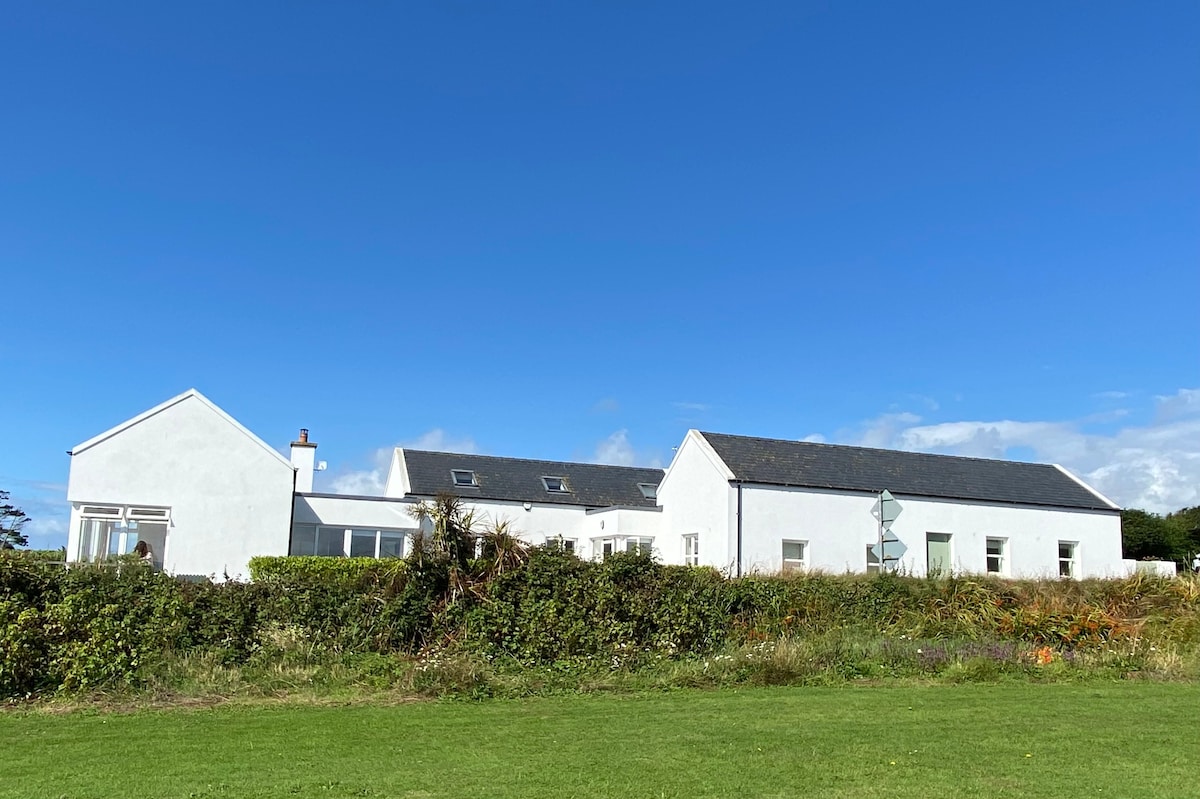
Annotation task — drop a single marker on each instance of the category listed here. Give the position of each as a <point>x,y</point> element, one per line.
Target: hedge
<point>84,628</point>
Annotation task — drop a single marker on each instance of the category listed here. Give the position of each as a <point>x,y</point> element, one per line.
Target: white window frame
<point>620,543</point>
<point>875,565</point>
<point>102,511</point>
<point>639,542</point>
<point>315,528</point>
<point>126,518</point>
<point>563,488</point>
<point>454,473</point>
<point>691,549</point>
<point>1072,562</point>
<point>565,544</point>
<point>148,514</point>
<point>947,568</point>
<point>792,564</point>
<point>1002,568</point>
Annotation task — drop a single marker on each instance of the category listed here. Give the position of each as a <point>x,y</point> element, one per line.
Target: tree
<point>12,519</point>
<point>1148,535</point>
<point>1188,521</point>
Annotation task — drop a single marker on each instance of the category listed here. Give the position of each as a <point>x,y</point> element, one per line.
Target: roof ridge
<point>880,449</point>
<point>530,460</point>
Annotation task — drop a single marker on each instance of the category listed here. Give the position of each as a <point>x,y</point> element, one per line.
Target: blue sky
<point>573,231</point>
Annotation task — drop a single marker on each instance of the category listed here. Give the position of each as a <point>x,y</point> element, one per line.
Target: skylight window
<point>555,485</point>
<point>649,490</point>
<point>463,477</point>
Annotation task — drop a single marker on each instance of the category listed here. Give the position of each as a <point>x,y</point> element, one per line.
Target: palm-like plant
<point>452,535</point>
<point>502,550</point>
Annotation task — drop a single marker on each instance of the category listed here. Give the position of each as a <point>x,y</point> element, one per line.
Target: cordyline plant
<point>449,533</point>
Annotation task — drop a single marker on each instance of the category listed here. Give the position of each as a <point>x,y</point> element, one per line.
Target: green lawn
<point>1019,740</point>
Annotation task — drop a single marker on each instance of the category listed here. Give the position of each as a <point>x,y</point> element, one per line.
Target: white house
<point>585,508</point>
<point>206,494</point>
<point>755,504</point>
<point>591,509</point>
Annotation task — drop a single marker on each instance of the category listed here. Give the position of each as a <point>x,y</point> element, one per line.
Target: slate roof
<point>809,465</point>
<point>514,479</point>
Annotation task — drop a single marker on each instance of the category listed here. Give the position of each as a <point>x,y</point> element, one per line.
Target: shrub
<point>357,572</point>
<point>543,617</point>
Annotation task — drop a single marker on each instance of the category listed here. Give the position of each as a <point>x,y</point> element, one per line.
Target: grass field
<point>1016,739</point>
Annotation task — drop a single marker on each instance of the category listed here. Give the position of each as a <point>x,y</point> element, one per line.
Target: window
<point>97,510</point>
<point>311,539</point>
<point>795,555</point>
<point>391,545</point>
<point>995,556</point>
<point>565,544</point>
<point>603,547</point>
<point>641,545</point>
<point>148,513</point>
<point>691,550</point>
<point>872,559</point>
<point>463,477</point>
<point>362,543</point>
<point>937,554</point>
<point>649,490</point>
<point>330,542</point>
<point>110,531</point>
<point>1067,564</point>
<point>555,485</point>
<point>122,538</point>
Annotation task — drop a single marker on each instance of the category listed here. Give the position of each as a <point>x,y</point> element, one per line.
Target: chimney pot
<point>303,435</point>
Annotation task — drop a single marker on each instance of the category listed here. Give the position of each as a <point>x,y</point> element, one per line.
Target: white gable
<point>193,395</point>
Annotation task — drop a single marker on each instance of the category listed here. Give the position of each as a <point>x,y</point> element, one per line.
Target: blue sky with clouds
<point>573,231</point>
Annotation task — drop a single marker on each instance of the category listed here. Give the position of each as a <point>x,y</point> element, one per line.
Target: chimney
<point>303,459</point>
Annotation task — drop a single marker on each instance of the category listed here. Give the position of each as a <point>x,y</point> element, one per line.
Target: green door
<point>937,553</point>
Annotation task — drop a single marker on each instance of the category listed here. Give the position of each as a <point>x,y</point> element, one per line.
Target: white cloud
<point>437,440</point>
<point>365,482</point>
<point>606,405</point>
<point>45,503</point>
<point>1185,402</point>
<point>878,432</point>
<point>1155,466</point>
<point>617,450</point>
<point>47,532</point>
<point>372,480</point>
<point>693,407</point>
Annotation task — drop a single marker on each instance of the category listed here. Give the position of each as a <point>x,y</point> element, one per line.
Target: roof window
<point>556,485</point>
<point>649,490</point>
<point>463,477</point>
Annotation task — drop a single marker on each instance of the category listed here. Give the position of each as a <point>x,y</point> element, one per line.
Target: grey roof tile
<point>833,466</point>
<point>518,480</point>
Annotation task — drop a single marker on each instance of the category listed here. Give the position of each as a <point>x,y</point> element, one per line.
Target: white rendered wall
<point>230,497</point>
<point>362,512</point>
<point>544,522</point>
<point>624,523</point>
<point>838,526</point>
<point>697,499</point>
<point>1156,568</point>
<point>304,457</point>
